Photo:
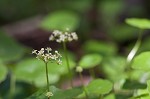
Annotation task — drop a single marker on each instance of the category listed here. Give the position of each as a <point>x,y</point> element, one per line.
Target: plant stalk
<point>68,66</point>
<point>47,78</point>
<point>81,78</point>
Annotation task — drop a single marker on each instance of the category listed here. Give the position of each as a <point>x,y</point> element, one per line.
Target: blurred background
<point>27,25</point>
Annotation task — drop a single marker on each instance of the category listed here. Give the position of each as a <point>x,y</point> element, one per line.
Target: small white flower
<point>34,52</point>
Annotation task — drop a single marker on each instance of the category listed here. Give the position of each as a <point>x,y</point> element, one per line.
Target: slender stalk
<point>47,78</point>
<point>100,96</point>
<point>67,61</point>
<point>81,78</point>
<point>12,85</point>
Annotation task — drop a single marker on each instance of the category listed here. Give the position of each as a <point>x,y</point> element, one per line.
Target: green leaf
<point>33,71</point>
<point>3,72</point>
<point>139,23</point>
<point>10,50</point>
<point>57,93</point>
<point>60,20</point>
<point>99,86</point>
<point>112,66</point>
<point>90,60</point>
<point>100,47</point>
<point>142,61</point>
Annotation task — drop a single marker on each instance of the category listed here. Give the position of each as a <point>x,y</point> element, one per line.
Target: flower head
<point>49,94</point>
<point>46,55</point>
<point>60,36</point>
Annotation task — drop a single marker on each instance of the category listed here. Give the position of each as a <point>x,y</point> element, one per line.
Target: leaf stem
<point>68,66</point>
<point>81,78</point>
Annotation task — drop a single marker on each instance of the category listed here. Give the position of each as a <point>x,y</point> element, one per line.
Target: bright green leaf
<point>90,60</point>
<point>148,85</point>
<point>3,72</point>
<point>99,86</point>
<point>139,23</point>
<point>142,61</point>
<point>60,21</point>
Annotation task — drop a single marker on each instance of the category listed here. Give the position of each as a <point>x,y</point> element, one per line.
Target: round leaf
<point>60,21</point>
<point>90,60</point>
<point>99,86</point>
<point>142,61</point>
<point>139,23</point>
<point>3,72</point>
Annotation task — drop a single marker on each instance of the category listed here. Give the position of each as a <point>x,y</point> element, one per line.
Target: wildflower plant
<point>46,56</point>
<point>63,37</point>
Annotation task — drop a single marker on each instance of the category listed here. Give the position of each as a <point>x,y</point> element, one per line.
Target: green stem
<point>68,66</point>
<point>132,54</point>
<point>135,49</point>
<point>100,96</point>
<point>47,78</point>
<point>81,78</point>
<point>12,85</point>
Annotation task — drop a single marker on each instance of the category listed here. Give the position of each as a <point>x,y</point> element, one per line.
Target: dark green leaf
<point>3,72</point>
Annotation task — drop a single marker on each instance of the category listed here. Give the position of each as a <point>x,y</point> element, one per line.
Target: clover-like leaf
<point>90,60</point>
<point>139,23</point>
<point>142,61</point>
<point>99,86</point>
<point>60,21</point>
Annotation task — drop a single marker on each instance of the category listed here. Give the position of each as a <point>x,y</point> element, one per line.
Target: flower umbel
<point>46,55</point>
<point>60,36</point>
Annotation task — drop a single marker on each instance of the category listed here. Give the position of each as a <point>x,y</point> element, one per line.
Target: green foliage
<point>90,60</point>
<point>100,47</point>
<point>139,23</point>
<point>142,61</point>
<point>10,50</point>
<point>99,86</point>
<point>57,93</point>
<point>60,21</point>
<point>3,72</point>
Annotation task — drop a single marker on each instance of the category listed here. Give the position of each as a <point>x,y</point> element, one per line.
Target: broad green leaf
<point>90,60</point>
<point>112,66</point>
<point>57,93</point>
<point>60,20</point>
<point>3,72</point>
<point>99,86</point>
<point>33,71</point>
<point>142,61</point>
<point>10,50</point>
<point>139,23</point>
<point>141,94</point>
<point>100,47</point>
<point>110,96</point>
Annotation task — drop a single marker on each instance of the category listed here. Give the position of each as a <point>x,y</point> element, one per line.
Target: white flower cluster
<point>60,36</point>
<point>49,94</point>
<point>46,55</point>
